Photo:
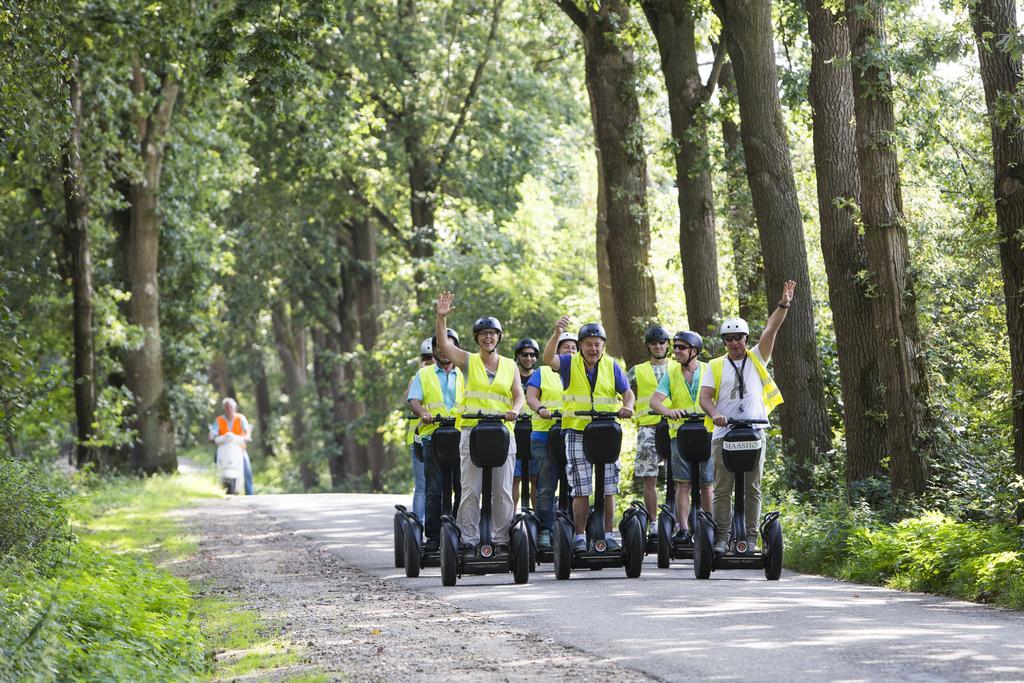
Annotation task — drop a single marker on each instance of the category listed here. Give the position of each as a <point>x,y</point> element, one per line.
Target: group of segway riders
<point>516,430</point>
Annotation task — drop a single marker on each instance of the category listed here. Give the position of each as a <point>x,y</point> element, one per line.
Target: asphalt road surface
<point>668,625</point>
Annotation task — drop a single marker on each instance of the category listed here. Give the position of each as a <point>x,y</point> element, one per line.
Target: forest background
<point>262,200</point>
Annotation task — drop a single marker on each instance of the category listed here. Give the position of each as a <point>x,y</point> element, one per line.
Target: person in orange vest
<point>234,422</point>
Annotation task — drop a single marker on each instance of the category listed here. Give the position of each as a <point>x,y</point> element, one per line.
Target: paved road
<point>736,626</point>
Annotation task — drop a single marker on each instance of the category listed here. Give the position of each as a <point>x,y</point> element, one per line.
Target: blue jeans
<point>419,492</point>
<point>435,490</point>
<point>247,473</point>
<point>547,482</point>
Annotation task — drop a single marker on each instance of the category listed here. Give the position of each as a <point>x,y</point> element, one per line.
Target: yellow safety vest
<point>433,397</point>
<point>550,398</point>
<point>680,393</point>
<point>490,398</point>
<point>770,393</point>
<point>646,385</point>
<point>578,395</point>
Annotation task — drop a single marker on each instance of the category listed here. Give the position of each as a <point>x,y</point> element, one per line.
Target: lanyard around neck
<point>739,374</point>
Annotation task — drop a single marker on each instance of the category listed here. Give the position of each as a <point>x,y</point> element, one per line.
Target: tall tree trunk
<point>367,289</point>
<point>901,360</point>
<point>748,267</point>
<point>672,23</point>
<point>220,376</point>
<point>324,363</point>
<point>263,411</point>
<point>78,256</point>
<point>611,84</point>
<point>290,341</point>
<point>748,36</point>
<point>835,160</point>
<point>346,327</point>
<point>994,22</point>
<point>605,293</point>
<point>155,451</point>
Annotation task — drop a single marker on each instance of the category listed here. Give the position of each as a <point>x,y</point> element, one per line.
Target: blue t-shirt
<point>565,368</point>
<point>665,385</point>
<point>447,381</point>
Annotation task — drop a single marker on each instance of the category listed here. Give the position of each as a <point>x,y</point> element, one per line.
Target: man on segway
<point>737,385</point>
<point>644,379</point>
<point>544,396</point>
<point>493,388</point>
<point>591,382</point>
<point>678,393</point>
<point>436,390</point>
<point>526,354</point>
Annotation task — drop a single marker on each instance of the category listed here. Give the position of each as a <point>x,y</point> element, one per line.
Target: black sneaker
<point>501,551</point>
<point>432,545</point>
<point>612,544</point>
<point>468,551</point>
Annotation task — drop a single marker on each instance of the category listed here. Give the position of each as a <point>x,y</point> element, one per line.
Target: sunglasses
<point>528,355</point>
<point>426,357</point>
<point>732,337</point>
<point>681,347</point>
<point>659,342</point>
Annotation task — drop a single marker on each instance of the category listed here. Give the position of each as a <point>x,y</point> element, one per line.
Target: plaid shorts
<point>646,463</point>
<point>579,469</point>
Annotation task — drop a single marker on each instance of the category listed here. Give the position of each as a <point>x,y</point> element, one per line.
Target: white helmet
<point>566,336</point>
<point>426,347</point>
<point>734,326</point>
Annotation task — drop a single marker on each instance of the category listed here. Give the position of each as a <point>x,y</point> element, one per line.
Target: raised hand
<point>444,303</point>
<point>787,292</point>
<point>562,325</point>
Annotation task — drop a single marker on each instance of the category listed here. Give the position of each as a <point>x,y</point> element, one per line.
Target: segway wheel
<point>563,553</point>
<point>449,559</point>
<point>773,550</point>
<point>399,539</point>
<point>412,554</point>
<point>520,556</point>
<point>633,547</point>
<point>703,552</point>
<point>664,541</point>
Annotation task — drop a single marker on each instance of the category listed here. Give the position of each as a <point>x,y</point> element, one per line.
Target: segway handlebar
<point>442,420</point>
<point>747,421</point>
<point>597,414</point>
<point>484,417</point>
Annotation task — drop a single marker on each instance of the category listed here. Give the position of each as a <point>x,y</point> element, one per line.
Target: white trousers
<point>502,510</point>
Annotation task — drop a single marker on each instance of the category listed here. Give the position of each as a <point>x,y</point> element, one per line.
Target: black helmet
<point>691,338</point>
<point>451,335</point>
<point>655,333</point>
<point>526,343</point>
<point>487,323</point>
<point>591,330</point>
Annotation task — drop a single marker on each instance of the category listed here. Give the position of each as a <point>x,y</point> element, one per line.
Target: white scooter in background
<point>230,461</point>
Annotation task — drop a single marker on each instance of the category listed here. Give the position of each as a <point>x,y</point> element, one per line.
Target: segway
<point>663,446</point>
<point>523,432</point>
<point>445,443</point>
<point>488,449</point>
<point>602,440</point>
<point>694,443</point>
<point>556,453</point>
<point>404,517</point>
<point>741,449</point>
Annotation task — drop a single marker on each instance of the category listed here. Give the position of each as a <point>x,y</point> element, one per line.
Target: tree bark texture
<point>605,293</point>
<point>290,340</point>
<point>78,257</point>
<point>672,23</point>
<point>261,389</point>
<point>740,222</point>
<point>368,303</point>
<point>995,21</point>
<point>324,372</point>
<point>220,376</point>
<point>748,36</point>
<point>155,451</point>
<point>835,160</point>
<point>611,83</point>
<point>901,361</point>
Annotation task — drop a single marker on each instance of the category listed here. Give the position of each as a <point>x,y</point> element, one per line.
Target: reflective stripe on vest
<point>681,398</point>
<point>550,398</point>
<point>578,395</point>
<point>770,394</point>
<point>433,397</point>
<point>646,385</point>
<point>490,398</point>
